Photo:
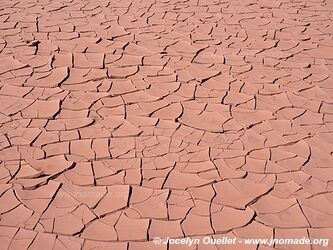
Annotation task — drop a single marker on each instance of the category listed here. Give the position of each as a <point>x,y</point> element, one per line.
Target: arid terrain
<point>123,123</point>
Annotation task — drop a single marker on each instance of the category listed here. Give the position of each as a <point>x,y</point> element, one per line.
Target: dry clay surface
<point>122,121</point>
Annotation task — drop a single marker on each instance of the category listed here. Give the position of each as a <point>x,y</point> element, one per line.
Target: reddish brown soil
<point>121,121</point>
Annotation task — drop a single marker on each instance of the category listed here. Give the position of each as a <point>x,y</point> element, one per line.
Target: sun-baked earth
<point>126,120</point>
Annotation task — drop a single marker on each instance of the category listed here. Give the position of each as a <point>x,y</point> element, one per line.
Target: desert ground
<point>166,124</point>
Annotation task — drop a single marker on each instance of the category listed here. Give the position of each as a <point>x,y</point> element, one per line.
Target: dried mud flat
<point>122,121</point>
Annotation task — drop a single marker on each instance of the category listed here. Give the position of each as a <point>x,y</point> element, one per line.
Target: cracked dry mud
<point>126,120</point>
